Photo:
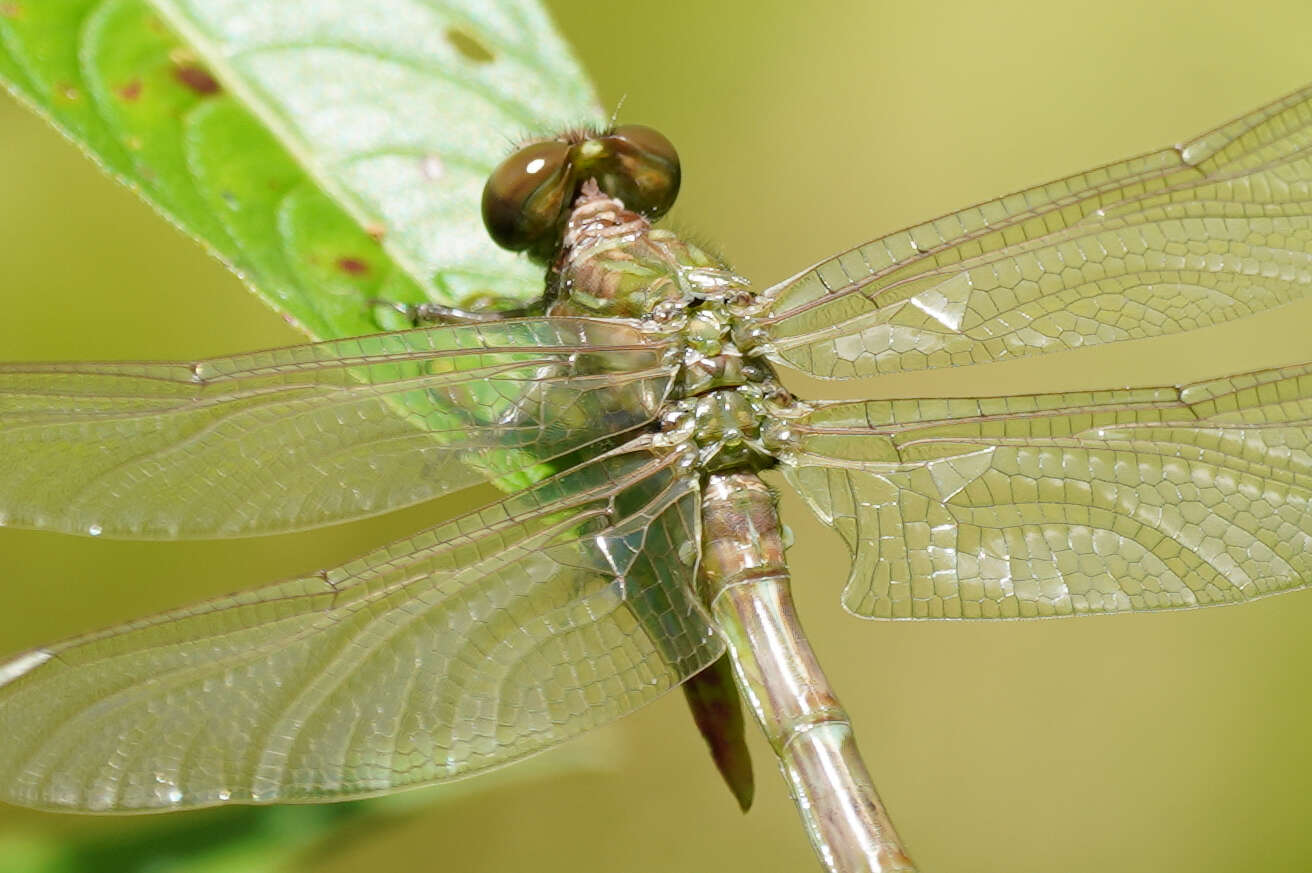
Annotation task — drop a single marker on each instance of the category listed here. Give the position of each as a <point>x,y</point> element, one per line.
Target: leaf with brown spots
<point>232,116</point>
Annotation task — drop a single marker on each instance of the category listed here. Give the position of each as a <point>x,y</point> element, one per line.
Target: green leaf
<point>329,157</point>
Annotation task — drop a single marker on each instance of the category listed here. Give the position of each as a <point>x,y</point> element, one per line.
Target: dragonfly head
<point>529,195</point>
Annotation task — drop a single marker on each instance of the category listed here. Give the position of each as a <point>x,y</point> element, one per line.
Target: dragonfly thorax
<point>721,429</point>
<point>725,398</point>
<point>614,264</point>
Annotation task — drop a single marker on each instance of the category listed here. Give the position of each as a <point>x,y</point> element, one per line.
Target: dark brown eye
<point>634,163</point>
<point>527,196</point>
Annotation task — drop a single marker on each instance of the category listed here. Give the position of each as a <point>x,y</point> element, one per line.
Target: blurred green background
<point>1133,743</point>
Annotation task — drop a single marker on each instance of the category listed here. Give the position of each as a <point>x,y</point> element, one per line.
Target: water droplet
<point>95,530</point>
<point>432,168</point>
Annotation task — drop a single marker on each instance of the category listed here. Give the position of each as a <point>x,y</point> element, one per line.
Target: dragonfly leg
<point>437,313</point>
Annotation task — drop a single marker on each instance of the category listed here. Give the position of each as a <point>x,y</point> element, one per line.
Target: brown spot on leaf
<point>198,79</point>
<point>131,91</point>
<point>468,46</point>
<point>11,10</point>
<point>376,231</point>
<point>353,266</point>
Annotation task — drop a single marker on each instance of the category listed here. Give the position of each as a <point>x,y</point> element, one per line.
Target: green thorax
<point>614,264</point>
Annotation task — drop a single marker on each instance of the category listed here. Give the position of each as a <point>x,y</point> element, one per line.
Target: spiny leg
<point>437,313</point>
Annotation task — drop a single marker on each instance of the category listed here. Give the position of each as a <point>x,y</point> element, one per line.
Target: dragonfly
<point>633,415</point>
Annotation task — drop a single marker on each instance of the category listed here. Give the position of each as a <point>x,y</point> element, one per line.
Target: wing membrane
<point>1108,501</point>
<point>1195,235</point>
<point>311,435</point>
<point>478,642</point>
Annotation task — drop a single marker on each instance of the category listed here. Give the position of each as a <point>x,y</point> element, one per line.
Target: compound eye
<point>527,196</point>
<point>640,167</point>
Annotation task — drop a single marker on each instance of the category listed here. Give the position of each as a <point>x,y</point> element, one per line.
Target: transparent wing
<point>314,434</point>
<point>1105,501</point>
<point>1190,236</point>
<point>480,641</point>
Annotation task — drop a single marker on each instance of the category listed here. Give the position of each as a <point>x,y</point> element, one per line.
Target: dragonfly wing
<point>1195,235</point>
<point>480,641</point>
<point>311,435</point>
<point>1106,501</point>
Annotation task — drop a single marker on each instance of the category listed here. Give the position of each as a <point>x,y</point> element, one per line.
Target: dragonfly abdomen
<point>747,585</point>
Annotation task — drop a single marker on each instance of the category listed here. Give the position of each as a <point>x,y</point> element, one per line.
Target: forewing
<point>1042,505</point>
<point>485,639</point>
<point>311,435</point>
<point>1195,235</point>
